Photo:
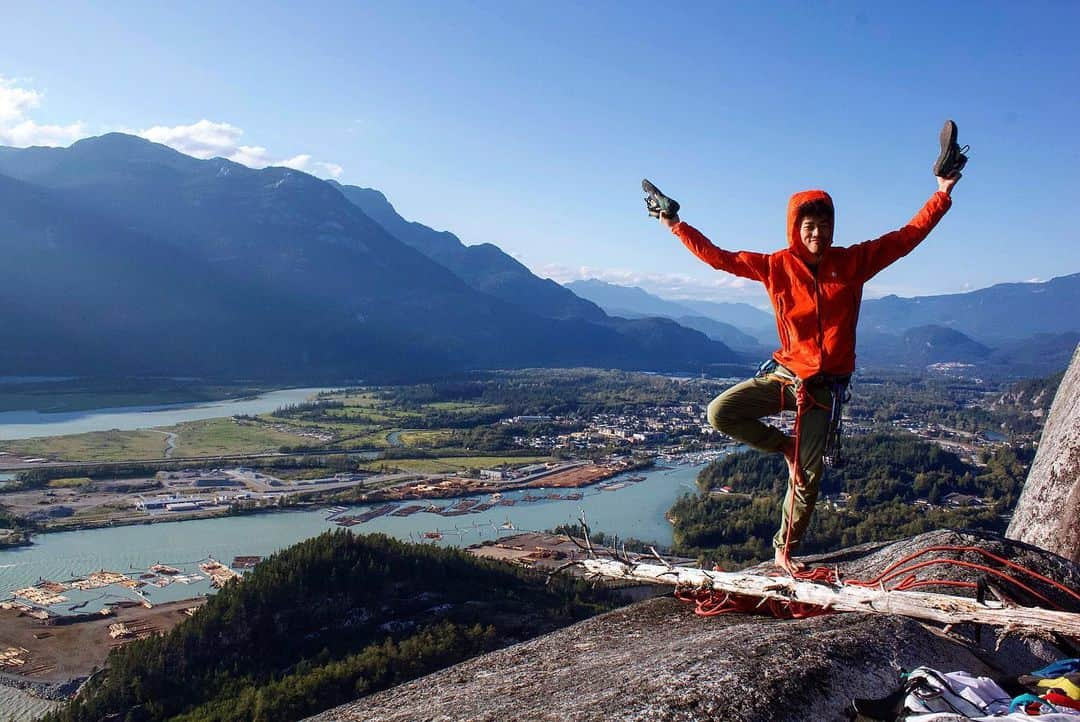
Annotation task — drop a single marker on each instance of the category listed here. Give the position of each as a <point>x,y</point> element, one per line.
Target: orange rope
<point>713,602</point>
<point>804,401</point>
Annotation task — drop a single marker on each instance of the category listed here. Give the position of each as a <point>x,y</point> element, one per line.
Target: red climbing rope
<point>910,581</point>
<point>712,602</point>
<point>803,403</point>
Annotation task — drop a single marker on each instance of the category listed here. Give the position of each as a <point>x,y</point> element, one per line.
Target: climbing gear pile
<point>952,158</point>
<point>656,203</point>
<point>928,695</point>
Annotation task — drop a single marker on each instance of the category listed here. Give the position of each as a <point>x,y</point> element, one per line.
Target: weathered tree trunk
<point>1047,514</point>
<point>917,605</point>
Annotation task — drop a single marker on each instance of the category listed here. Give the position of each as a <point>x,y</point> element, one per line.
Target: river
<point>31,424</point>
<point>635,510</point>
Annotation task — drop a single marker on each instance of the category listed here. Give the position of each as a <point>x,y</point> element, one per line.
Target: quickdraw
<point>839,387</point>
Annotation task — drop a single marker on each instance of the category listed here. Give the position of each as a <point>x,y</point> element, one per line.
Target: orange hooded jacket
<point>817,311</point>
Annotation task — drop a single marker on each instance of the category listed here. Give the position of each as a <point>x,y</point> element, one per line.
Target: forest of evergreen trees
<point>883,477</point>
<point>328,620</point>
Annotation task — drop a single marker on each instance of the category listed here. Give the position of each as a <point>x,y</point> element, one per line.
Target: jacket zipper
<point>782,316</point>
<point>820,332</point>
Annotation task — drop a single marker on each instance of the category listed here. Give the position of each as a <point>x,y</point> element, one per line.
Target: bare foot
<point>786,563</point>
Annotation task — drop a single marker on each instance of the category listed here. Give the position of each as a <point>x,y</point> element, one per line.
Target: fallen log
<point>942,608</point>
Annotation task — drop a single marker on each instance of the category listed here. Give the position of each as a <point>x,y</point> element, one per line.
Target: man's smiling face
<point>816,234</point>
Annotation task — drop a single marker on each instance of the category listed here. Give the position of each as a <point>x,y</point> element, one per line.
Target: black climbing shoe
<point>952,158</point>
<point>657,203</point>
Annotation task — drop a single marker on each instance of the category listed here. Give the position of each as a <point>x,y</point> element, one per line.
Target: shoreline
<point>65,655</point>
<point>51,691</point>
<point>380,496</point>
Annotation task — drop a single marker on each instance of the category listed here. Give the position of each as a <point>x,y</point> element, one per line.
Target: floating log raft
<point>943,608</point>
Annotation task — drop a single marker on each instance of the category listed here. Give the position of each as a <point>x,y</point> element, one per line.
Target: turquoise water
<point>31,424</point>
<point>636,510</point>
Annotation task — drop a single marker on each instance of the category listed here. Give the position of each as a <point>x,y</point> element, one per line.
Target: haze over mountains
<point>1011,328</point>
<point>739,325</point>
<point>123,256</point>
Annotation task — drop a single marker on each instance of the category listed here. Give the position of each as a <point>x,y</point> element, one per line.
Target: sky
<point>531,124</point>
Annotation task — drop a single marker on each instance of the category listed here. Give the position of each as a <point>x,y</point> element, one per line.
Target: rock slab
<point>1047,514</point>
<point>658,661</point>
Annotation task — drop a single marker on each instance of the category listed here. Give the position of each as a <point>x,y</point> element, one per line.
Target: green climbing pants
<point>737,411</point>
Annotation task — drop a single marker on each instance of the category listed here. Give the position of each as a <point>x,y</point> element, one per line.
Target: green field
<point>209,437</point>
<point>71,483</point>
<point>93,446</point>
<point>216,437</point>
<point>426,438</point>
<point>364,422</point>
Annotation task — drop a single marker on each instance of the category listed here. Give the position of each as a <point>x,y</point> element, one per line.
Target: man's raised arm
<point>747,264</point>
<point>873,256</point>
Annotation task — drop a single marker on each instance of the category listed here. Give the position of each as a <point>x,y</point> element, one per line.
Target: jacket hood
<point>797,201</point>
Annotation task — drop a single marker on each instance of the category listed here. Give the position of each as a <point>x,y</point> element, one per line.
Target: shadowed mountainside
<point>134,257</point>
<point>486,268</point>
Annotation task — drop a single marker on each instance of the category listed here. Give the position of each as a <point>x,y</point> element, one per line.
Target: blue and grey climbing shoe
<point>657,203</point>
<point>952,158</point>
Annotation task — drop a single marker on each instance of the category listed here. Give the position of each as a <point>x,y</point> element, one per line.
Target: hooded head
<point>820,206</point>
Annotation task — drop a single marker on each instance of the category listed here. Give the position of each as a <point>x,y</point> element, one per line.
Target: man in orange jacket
<point>816,289</point>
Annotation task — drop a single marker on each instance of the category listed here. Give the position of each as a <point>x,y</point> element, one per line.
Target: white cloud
<point>18,130</point>
<point>673,286</point>
<point>28,133</point>
<point>331,169</point>
<point>204,139</point>
<point>209,139</point>
<point>16,101</point>
<point>297,162</point>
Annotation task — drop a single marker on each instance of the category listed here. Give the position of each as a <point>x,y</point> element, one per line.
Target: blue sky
<point>530,125</point>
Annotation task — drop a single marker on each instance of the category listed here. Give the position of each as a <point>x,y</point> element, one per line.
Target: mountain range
<point>1019,329</point>
<point>738,325</point>
<point>123,256</point>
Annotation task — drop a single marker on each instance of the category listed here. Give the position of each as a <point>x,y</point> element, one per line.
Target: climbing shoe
<point>657,203</point>
<point>952,158</point>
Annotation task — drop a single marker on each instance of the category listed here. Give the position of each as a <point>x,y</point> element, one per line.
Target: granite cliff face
<point>657,660</point>
<point>1048,511</point>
